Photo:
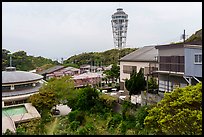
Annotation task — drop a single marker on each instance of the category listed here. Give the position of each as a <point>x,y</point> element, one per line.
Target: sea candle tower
<point>119,26</point>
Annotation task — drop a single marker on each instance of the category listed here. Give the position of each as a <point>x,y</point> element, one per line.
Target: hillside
<point>99,58</point>
<point>23,62</point>
<point>195,37</point>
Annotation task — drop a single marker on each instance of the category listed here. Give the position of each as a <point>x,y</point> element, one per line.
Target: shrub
<point>87,99</point>
<point>114,121</point>
<point>178,113</point>
<point>88,129</point>
<point>140,116</point>
<point>108,101</point>
<point>74,125</point>
<point>128,109</point>
<point>76,116</point>
<point>121,129</point>
<point>8,132</point>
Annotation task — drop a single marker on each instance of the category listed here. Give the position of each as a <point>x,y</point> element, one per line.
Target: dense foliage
<point>178,113</point>
<point>195,37</point>
<point>152,85</point>
<point>46,99</point>
<point>89,97</point>
<point>52,93</point>
<point>136,83</point>
<point>22,61</point>
<point>99,58</point>
<point>113,73</point>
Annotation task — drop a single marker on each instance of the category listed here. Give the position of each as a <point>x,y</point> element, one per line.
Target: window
<point>129,69</point>
<point>198,58</point>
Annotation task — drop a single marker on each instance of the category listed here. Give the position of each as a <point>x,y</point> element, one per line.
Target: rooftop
<point>19,76</point>
<point>199,42</point>
<point>144,54</point>
<point>50,70</point>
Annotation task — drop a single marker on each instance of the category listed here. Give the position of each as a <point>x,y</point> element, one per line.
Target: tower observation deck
<point>119,26</point>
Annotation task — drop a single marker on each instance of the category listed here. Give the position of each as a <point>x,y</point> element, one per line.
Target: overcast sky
<point>62,29</point>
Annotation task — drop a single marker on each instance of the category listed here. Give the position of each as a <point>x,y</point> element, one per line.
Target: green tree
<point>87,99</point>
<point>178,113</point>
<point>152,84</point>
<point>103,58</point>
<point>115,71</point>
<point>44,100</point>
<point>62,87</point>
<point>140,115</point>
<point>5,58</point>
<point>23,62</point>
<point>52,93</point>
<point>136,83</point>
<point>108,75</point>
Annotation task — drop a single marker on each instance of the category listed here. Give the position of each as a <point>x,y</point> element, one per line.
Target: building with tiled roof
<point>144,58</point>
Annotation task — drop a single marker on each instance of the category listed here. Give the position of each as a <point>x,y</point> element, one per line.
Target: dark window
<point>198,58</point>
<point>172,63</point>
<point>134,68</point>
<point>129,69</point>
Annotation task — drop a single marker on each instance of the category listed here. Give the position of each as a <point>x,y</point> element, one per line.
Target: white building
<point>143,58</point>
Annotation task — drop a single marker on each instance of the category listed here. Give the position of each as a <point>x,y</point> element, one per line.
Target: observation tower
<point>119,26</point>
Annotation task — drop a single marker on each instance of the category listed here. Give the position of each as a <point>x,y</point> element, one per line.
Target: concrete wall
<point>139,65</point>
<point>192,69</point>
<point>148,98</point>
<point>171,52</point>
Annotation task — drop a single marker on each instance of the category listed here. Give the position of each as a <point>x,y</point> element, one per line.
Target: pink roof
<point>87,76</point>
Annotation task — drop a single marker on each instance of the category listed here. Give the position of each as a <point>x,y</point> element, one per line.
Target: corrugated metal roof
<point>19,76</point>
<point>146,53</point>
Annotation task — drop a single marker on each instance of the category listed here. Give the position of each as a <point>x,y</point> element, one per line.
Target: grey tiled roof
<point>50,70</point>
<point>146,53</point>
<point>19,76</point>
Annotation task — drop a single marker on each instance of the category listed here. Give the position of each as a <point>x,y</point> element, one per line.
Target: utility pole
<point>62,60</point>
<point>184,36</point>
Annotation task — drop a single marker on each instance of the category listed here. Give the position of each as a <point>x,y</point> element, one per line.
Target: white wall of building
<point>139,65</point>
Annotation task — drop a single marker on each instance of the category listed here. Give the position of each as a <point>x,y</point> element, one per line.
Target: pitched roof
<point>144,54</point>
<point>52,69</point>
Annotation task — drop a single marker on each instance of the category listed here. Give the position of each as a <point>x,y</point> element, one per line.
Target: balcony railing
<point>174,67</point>
<point>171,63</point>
